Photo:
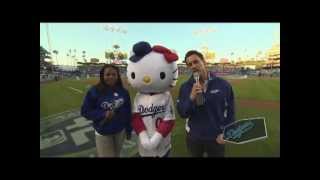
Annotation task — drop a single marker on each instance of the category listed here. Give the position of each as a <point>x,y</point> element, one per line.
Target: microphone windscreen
<point>196,76</point>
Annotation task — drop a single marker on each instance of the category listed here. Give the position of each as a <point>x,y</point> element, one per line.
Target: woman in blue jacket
<point>108,105</point>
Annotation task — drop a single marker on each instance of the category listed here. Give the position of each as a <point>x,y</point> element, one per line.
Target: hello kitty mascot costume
<point>153,71</point>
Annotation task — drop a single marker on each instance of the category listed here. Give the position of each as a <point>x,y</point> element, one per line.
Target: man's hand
<point>196,89</point>
<point>219,139</point>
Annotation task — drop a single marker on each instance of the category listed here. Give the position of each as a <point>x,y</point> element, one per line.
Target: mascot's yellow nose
<point>147,79</point>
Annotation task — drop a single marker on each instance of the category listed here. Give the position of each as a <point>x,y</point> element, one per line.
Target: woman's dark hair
<point>102,86</point>
<point>191,52</point>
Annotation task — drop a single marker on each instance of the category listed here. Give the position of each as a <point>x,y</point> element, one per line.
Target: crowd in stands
<point>50,72</point>
<point>274,72</point>
<point>46,71</point>
<point>46,67</point>
<point>241,71</point>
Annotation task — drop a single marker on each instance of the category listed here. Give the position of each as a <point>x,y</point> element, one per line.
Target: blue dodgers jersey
<point>96,105</point>
<point>206,122</point>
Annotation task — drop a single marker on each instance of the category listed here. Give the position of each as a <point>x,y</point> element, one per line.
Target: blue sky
<point>240,38</point>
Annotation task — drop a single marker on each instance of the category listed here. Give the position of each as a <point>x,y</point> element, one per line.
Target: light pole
<point>48,37</point>
<point>74,59</point>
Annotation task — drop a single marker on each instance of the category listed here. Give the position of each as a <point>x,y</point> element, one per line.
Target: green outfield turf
<point>254,97</point>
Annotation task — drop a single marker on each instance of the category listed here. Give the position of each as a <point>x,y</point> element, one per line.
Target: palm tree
<point>56,53</point>
<point>120,56</point>
<point>116,51</point>
<point>44,54</point>
<point>84,56</point>
<point>116,46</point>
<point>111,57</point>
<point>107,56</point>
<point>125,55</point>
<point>75,57</point>
<point>69,56</point>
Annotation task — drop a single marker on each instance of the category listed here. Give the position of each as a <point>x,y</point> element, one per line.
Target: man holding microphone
<point>207,103</point>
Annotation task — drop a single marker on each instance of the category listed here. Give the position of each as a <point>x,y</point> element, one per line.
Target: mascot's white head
<point>152,69</point>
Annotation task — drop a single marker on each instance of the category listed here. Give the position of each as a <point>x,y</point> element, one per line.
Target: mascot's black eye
<point>162,75</point>
<point>133,75</point>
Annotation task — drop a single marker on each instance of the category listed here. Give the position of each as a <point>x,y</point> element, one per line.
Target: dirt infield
<point>258,104</point>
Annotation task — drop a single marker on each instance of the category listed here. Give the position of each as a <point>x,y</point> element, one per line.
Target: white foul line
<point>79,91</point>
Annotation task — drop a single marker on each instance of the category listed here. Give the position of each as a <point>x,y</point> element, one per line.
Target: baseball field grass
<point>254,97</point>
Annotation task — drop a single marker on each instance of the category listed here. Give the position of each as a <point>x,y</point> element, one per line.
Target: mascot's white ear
<point>175,76</point>
<point>131,53</point>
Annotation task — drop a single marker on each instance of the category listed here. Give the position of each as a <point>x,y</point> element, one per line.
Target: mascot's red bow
<point>169,55</point>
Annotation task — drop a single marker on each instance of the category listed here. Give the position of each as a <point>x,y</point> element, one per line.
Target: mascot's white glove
<point>151,143</point>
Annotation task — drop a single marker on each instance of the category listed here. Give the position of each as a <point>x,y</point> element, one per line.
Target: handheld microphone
<point>196,77</point>
<point>199,97</point>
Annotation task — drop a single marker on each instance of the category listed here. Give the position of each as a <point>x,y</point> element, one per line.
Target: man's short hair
<point>192,52</point>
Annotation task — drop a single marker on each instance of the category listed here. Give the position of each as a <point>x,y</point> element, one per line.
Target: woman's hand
<point>108,117</point>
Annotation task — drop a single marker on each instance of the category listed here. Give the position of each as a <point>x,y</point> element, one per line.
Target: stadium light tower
<point>203,33</point>
<point>48,37</point>
<point>114,29</point>
<point>56,62</point>
<point>276,36</point>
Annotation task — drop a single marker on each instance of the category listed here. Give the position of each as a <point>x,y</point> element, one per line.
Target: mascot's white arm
<point>163,130</point>
<point>151,143</point>
<point>140,129</point>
